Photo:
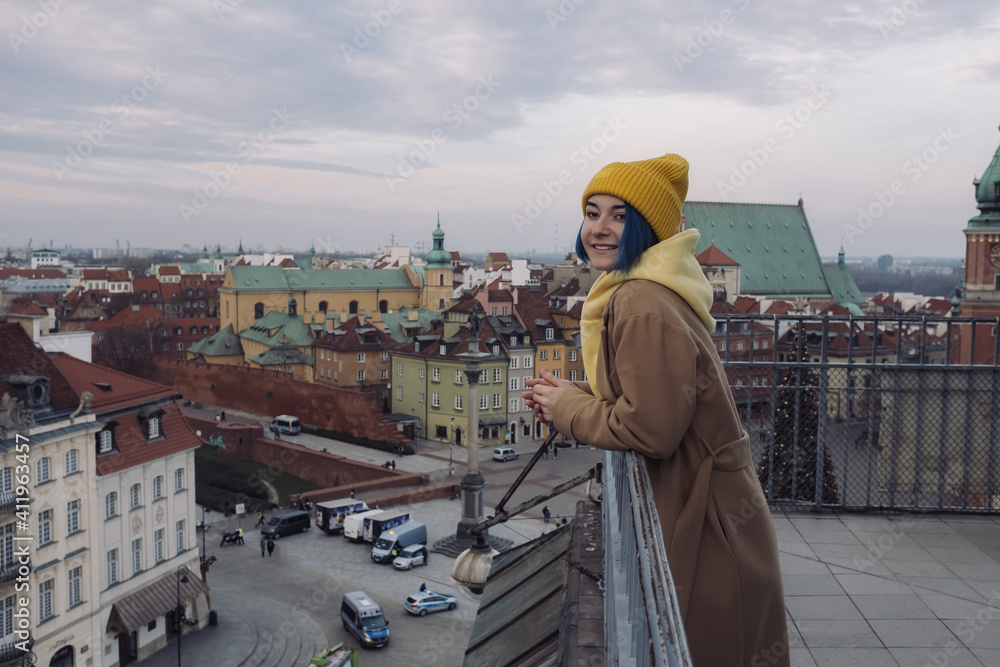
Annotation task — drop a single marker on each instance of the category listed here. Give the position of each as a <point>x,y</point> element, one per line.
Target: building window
<point>543,355</point>
<point>361,357</point>
<point>556,354</point>
<point>45,600</point>
<point>484,402</point>
<point>361,376</point>
<point>71,462</point>
<point>137,555</point>
<point>72,517</point>
<point>493,311</point>
<point>572,376</point>
<point>556,372</point>
<point>515,384</point>
<point>7,561</point>
<point>572,355</point>
<point>75,586</point>
<point>496,401</point>
<point>421,397</point>
<point>421,373</point>
<point>384,356</point>
<point>43,469</point>
<point>436,399</point>
<point>113,566</point>
<point>435,374</point>
<point>111,505</point>
<point>458,401</point>
<point>483,376</point>
<point>399,393</point>
<point>179,479</point>
<point>458,376</point>
<point>44,527</point>
<point>158,545</point>
<point>514,405</point>
<point>550,333</point>
<point>152,428</point>
<point>722,346</point>
<point>496,350</point>
<point>134,496</point>
<point>497,375</point>
<point>527,361</point>
<point>105,441</point>
<point>383,374</point>
<point>442,349</point>
<point>157,487</point>
<point>7,618</point>
<point>513,362</point>
<point>180,536</point>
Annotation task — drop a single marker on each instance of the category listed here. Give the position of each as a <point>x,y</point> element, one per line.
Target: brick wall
<point>248,441</point>
<point>343,414</point>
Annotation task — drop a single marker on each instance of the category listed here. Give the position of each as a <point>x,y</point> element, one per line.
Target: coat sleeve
<point>655,365</point>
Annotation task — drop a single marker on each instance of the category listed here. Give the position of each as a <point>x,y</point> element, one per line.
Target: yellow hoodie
<point>670,263</point>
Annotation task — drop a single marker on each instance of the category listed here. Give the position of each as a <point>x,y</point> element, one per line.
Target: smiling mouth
<point>605,247</point>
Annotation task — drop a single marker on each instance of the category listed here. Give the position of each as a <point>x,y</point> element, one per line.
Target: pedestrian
<point>263,545</point>
<point>423,587</point>
<point>239,536</point>
<point>222,416</point>
<point>555,450</point>
<point>646,341</point>
<point>270,547</point>
<point>352,490</point>
<point>393,464</point>
<point>546,513</point>
<point>260,519</point>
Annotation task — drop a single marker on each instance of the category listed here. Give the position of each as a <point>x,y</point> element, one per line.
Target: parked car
<point>426,601</point>
<point>295,521</point>
<point>504,454</point>
<point>415,554</point>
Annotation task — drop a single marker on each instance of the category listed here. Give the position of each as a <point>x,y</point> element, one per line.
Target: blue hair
<point>637,237</point>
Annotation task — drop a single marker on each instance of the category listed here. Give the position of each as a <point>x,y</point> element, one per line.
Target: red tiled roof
<point>747,304</point>
<point>22,306</point>
<point>95,274</point>
<point>170,271</point>
<point>134,316</point>
<point>133,447</point>
<point>18,354</point>
<point>715,257</point>
<point>112,390</point>
<point>119,276</point>
<point>147,283</point>
<point>31,274</point>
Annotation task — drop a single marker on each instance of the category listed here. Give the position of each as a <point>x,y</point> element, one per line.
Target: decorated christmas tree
<point>795,445</point>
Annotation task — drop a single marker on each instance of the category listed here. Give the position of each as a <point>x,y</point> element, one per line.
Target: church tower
<point>438,274</point>
<point>979,295</point>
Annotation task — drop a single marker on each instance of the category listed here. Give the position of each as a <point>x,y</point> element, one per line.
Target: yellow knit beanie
<point>656,188</point>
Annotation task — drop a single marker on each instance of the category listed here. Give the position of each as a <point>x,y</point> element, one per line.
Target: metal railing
<point>642,620</point>
<point>904,410</point>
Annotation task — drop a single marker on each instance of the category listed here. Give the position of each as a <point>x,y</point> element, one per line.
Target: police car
<point>426,601</point>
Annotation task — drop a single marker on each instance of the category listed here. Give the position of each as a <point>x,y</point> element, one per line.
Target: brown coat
<point>665,395</point>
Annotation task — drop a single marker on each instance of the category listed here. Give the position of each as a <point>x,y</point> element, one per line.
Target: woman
<point>657,387</point>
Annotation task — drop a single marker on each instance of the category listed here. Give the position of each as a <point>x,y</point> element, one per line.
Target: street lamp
<point>451,448</point>
<point>204,529</point>
<point>181,579</point>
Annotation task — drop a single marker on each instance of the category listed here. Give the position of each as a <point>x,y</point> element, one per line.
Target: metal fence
<point>884,413</point>
<point>642,620</point>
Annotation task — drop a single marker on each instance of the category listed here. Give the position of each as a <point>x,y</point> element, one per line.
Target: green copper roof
<point>220,344</point>
<point>281,356</point>
<point>772,243</point>
<point>394,322</point>
<point>438,256</point>
<point>988,195</point>
<point>275,278</point>
<point>842,286</point>
<point>275,327</point>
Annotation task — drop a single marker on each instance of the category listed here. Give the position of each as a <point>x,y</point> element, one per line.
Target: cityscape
<point>275,278</point>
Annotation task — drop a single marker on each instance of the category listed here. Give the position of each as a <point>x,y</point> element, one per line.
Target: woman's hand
<point>544,394</point>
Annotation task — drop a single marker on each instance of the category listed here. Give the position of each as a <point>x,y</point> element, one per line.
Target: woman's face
<point>603,221</point>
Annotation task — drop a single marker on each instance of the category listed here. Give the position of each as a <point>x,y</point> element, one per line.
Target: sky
<point>352,125</point>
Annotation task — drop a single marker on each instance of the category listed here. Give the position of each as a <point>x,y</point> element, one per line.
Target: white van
<point>286,425</point>
<point>504,454</point>
<point>354,524</point>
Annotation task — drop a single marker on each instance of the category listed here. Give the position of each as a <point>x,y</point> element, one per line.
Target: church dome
<point>438,255</point>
